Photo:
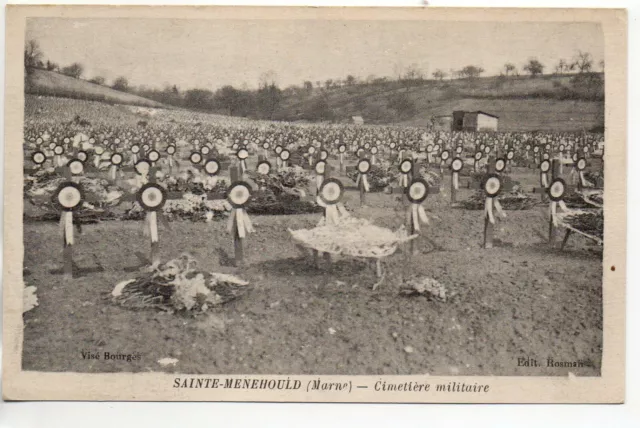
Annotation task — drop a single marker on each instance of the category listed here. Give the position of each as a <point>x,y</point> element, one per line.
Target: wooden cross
<point>488,226</point>
<point>237,240</point>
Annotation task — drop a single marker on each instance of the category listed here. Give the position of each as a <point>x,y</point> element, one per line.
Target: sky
<point>212,53</point>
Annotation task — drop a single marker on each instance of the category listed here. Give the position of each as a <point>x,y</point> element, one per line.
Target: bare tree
<point>509,68</point>
<point>413,72</point>
<point>583,61</point>
<point>561,67</point>
<point>121,84</point>
<point>397,70</point>
<point>533,67</point>
<point>32,53</point>
<point>98,80</point>
<point>439,74</point>
<point>75,70</point>
<point>268,78</point>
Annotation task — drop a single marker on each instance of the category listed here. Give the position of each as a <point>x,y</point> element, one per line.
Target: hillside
<point>42,82</point>
<point>557,103</point>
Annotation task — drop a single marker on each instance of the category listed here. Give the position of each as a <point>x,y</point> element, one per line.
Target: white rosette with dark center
<point>135,152</point>
<point>341,151</point>
<point>171,151</point>
<point>545,165</point>
<point>510,155</point>
<point>116,161</point>
<point>38,158</point>
<point>417,193</point>
<point>76,167</point>
<point>456,167</point>
<point>501,163</point>
<point>374,152</point>
<point>68,197</point>
<point>212,167</point>
<point>205,150</point>
<point>310,152</point>
<point>238,195</point>
<point>82,156</point>
<point>492,187</point>
<point>58,151</point>
<point>444,156</point>
<point>330,197</point>
<point>362,182</point>
<point>143,169</point>
<point>151,198</point>
<point>405,167</point>
<point>556,193</point>
<point>278,149</point>
<point>320,169</point>
<point>195,158</point>
<point>264,167</point>
<point>243,154</point>
<point>581,165</point>
<point>285,155</point>
<point>153,156</point>
<point>487,149</point>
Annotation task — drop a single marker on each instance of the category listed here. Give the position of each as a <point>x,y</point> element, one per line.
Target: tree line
<point>263,103</point>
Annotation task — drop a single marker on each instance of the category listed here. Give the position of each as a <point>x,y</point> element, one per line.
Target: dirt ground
<point>521,299</point>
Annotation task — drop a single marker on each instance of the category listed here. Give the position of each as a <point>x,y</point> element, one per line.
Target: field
<point>547,103</point>
<point>520,299</point>
<point>49,83</point>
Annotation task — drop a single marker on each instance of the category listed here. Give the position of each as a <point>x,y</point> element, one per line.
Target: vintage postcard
<point>315,204</point>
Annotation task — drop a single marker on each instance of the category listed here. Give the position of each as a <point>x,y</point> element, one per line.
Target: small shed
<point>442,123</point>
<point>474,121</point>
<point>357,120</point>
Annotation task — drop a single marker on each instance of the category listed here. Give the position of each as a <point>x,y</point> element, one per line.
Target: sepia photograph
<point>316,194</point>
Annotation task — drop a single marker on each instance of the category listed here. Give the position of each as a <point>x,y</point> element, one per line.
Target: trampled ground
<point>520,299</point>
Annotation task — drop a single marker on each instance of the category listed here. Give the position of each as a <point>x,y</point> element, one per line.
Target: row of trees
<point>265,101</point>
<point>582,63</point>
<point>33,58</point>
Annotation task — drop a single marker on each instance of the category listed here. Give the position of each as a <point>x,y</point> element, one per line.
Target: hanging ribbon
<point>66,227</point>
<point>170,161</point>
<point>544,180</point>
<point>456,183</point>
<point>583,182</point>
<point>134,158</point>
<point>332,212</point>
<point>151,226</point>
<point>278,163</point>
<point>418,214</point>
<point>96,161</point>
<point>240,221</point>
<point>112,172</point>
<point>319,180</point>
<point>341,159</point>
<point>489,205</point>
<point>373,159</point>
<point>554,210</point>
<point>243,166</point>
<point>400,155</point>
<point>310,160</point>
<point>403,180</point>
<point>362,178</point>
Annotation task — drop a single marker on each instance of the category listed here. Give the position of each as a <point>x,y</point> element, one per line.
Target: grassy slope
<point>54,84</point>
<point>521,103</point>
